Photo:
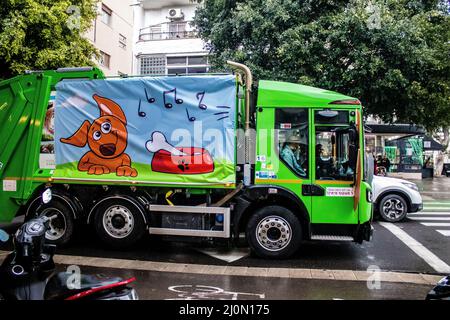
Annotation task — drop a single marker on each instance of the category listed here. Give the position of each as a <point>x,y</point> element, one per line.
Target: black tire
<point>119,223</point>
<point>280,224</point>
<point>393,208</point>
<point>62,228</point>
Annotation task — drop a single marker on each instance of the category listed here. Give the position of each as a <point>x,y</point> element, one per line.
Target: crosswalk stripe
<point>429,257</point>
<point>430,218</point>
<point>435,224</point>
<point>430,203</point>
<point>433,213</point>
<point>434,208</point>
<point>444,232</point>
<point>430,213</point>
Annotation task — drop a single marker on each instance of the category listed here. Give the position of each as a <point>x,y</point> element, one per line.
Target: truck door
<point>335,164</point>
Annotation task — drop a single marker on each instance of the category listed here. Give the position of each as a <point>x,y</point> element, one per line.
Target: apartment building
<point>165,41</point>
<point>112,35</point>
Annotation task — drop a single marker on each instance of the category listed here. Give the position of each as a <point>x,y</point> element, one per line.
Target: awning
<point>430,144</point>
<point>397,128</point>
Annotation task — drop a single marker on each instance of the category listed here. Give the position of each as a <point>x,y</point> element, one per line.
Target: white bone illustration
<point>159,142</point>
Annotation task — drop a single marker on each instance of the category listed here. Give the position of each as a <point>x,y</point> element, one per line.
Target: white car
<point>393,198</point>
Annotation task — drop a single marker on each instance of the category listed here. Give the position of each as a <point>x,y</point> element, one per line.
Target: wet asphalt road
<point>387,252</point>
<point>152,285</point>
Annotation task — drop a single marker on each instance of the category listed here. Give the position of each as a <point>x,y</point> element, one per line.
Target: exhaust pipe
<point>245,71</point>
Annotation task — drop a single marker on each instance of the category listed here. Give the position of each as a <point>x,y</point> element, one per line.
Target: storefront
<point>410,152</point>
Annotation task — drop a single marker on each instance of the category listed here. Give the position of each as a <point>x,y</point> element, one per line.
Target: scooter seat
<point>63,285</point>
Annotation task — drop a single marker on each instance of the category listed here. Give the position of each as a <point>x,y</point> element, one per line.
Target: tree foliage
<point>391,54</point>
<point>44,34</point>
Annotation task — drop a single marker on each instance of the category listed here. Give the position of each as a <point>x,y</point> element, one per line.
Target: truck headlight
<point>411,185</point>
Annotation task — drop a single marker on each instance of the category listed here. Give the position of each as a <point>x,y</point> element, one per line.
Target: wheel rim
<point>57,227</point>
<point>393,208</point>
<point>273,233</point>
<point>118,221</point>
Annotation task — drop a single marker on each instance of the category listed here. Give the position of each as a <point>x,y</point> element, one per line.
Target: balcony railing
<point>167,31</point>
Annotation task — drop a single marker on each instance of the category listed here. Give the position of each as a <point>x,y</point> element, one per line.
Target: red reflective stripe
<point>346,102</point>
<point>97,289</point>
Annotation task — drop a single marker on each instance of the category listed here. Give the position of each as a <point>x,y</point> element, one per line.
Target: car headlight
<point>411,185</point>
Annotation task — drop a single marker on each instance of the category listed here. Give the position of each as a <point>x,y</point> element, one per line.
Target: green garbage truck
<point>213,157</point>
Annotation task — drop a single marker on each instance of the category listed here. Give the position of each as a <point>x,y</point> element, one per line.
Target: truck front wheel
<point>274,232</point>
<point>119,223</point>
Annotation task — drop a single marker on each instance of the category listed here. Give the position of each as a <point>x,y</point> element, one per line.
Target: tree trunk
<point>445,141</point>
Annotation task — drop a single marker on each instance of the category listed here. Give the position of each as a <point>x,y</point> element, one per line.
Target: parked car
<point>393,198</point>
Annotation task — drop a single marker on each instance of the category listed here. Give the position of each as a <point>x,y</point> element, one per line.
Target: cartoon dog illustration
<point>107,139</point>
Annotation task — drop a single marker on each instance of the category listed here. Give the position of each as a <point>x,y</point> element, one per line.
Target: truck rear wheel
<point>61,229</point>
<point>274,232</point>
<point>119,222</point>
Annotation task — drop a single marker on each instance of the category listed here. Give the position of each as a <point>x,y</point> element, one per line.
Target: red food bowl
<point>195,161</point>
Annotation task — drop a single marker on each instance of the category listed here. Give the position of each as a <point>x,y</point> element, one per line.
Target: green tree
<point>391,54</point>
<point>44,34</point>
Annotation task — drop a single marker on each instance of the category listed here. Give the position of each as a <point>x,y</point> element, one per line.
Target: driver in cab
<point>291,146</point>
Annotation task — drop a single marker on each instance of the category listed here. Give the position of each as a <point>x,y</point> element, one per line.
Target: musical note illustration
<point>189,117</point>
<point>150,100</point>
<point>141,113</point>
<point>168,105</point>
<point>222,113</point>
<point>200,104</point>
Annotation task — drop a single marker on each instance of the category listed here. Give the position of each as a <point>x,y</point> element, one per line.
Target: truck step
<point>225,233</point>
<point>331,238</point>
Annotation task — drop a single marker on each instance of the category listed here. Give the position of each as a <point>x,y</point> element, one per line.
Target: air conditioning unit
<point>174,14</point>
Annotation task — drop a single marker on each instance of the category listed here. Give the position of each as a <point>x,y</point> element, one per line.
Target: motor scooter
<point>441,291</point>
<point>28,272</point>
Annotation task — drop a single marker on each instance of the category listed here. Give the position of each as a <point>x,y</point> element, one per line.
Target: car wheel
<point>119,223</point>
<point>274,232</point>
<point>393,208</point>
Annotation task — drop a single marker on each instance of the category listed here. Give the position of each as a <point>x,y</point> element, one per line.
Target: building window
<point>160,64</point>
<point>122,41</point>
<point>152,65</point>
<point>187,64</point>
<point>105,59</point>
<point>106,15</point>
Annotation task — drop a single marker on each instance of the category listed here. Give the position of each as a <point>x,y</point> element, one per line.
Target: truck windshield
<point>333,154</point>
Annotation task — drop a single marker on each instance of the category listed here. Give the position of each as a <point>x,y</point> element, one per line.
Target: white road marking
<point>429,218</point>
<point>430,213</point>
<point>226,255</point>
<point>435,224</point>
<point>434,208</point>
<point>429,257</point>
<point>444,232</point>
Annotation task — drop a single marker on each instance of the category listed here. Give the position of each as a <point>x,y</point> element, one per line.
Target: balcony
<point>168,31</point>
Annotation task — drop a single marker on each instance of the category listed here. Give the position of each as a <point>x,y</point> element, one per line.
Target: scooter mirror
<point>4,237</point>
<point>47,196</point>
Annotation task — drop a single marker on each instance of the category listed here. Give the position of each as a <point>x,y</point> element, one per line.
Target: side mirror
<point>47,196</point>
<point>4,237</point>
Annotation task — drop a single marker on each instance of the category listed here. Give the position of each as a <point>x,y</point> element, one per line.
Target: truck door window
<point>333,158</point>
<point>292,132</point>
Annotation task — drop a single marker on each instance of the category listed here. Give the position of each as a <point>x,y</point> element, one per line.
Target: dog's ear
<point>79,138</point>
<point>109,108</point>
